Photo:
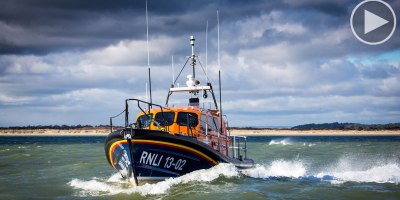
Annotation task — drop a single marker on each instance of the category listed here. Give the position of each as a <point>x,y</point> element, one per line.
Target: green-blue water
<point>288,168</point>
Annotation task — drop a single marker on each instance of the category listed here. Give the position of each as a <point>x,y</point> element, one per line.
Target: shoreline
<point>54,132</point>
<point>282,132</point>
<point>236,132</point>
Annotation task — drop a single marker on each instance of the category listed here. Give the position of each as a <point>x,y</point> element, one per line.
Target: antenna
<point>173,73</point>
<point>148,54</point>
<point>219,64</point>
<point>220,107</point>
<point>220,91</point>
<point>146,92</point>
<point>151,100</point>
<point>206,51</point>
<point>147,34</point>
<point>193,56</point>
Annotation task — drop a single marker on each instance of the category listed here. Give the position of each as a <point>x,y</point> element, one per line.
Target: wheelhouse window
<point>203,122</point>
<point>164,118</point>
<point>144,121</point>
<point>213,122</point>
<point>186,118</point>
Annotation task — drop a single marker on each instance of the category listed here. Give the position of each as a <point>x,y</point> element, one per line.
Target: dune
<point>238,132</point>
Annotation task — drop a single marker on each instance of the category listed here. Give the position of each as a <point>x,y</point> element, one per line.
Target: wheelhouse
<point>177,121</point>
<point>201,124</point>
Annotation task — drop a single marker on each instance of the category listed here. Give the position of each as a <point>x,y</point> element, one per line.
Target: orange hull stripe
<point>168,144</point>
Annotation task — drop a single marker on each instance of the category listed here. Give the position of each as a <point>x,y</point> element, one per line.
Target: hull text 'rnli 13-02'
<point>169,141</point>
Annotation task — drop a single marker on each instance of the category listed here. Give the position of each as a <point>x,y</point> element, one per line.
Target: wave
<point>362,170</point>
<point>308,144</point>
<point>344,171</point>
<point>347,169</point>
<point>116,185</point>
<point>285,141</point>
<point>3,150</point>
<point>278,168</point>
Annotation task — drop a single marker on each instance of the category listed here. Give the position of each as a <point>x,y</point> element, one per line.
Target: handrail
<point>236,147</point>
<point>138,104</point>
<point>111,118</point>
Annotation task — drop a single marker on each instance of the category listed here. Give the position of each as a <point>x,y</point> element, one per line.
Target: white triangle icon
<point>372,21</point>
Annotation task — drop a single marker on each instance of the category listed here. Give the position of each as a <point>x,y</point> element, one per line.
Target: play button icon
<point>373,22</point>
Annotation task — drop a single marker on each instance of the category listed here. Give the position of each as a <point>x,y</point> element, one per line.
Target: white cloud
<point>15,100</point>
<point>290,28</point>
<point>390,86</point>
<point>281,67</point>
<point>290,110</point>
<point>26,64</point>
<point>131,52</point>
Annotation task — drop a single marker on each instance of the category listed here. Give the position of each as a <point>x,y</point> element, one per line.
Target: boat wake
<point>346,170</point>
<point>117,185</point>
<point>278,168</point>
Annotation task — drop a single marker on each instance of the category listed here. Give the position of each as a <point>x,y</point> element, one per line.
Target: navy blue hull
<point>158,155</point>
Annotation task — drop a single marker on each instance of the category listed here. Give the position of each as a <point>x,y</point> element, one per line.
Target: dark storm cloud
<point>43,26</point>
<point>296,61</point>
<point>329,7</point>
<point>40,27</point>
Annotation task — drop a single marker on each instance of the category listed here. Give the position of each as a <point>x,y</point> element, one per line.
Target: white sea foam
<point>308,144</point>
<point>278,168</point>
<point>4,150</point>
<point>347,169</point>
<point>373,170</point>
<point>116,185</point>
<point>285,141</point>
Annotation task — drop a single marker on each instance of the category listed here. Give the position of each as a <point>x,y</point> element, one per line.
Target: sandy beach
<point>261,132</point>
<point>53,132</point>
<point>280,132</point>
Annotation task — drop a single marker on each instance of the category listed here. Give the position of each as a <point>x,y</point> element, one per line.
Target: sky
<point>283,63</point>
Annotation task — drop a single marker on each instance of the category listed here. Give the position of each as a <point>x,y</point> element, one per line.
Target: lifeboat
<point>169,141</point>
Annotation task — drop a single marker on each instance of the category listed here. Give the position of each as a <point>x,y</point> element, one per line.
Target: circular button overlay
<point>373,22</point>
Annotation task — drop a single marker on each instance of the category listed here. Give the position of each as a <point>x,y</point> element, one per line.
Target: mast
<point>151,99</point>
<point>147,37</point>
<point>146,93</point>
<point>173,72</point>
<point>207,52</point>
<point>220,91</point>
<point>193,56</point>
<point>148,56</point>
<point>219,63</point>
<point>193,85</point>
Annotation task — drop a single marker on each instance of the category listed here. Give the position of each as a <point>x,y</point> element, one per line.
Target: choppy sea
<point>287,168</point>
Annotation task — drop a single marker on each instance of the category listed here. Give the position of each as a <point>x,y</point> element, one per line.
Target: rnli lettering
<point>143,157</point>
<point>155,160</point>
<point>148,158</point>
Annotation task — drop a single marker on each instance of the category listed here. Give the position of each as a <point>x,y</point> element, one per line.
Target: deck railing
<point>239,144</point>
<point>143,110</point>
<point>149,105</point>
